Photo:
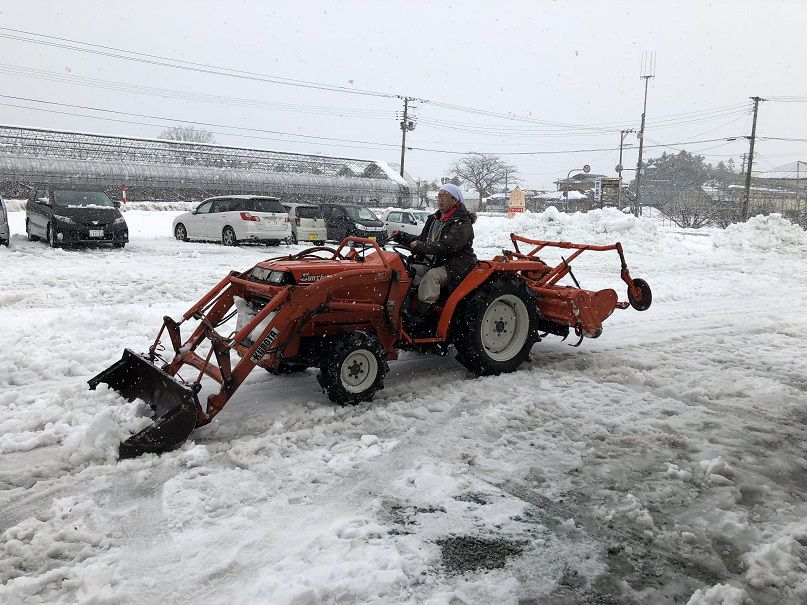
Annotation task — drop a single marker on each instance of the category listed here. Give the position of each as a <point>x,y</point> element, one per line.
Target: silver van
<point>5,231</point>
<point>307,223</point>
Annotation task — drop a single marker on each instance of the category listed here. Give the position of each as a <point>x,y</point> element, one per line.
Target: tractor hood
<point>304,271</point>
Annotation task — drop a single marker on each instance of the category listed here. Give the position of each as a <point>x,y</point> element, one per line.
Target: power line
<point>333,141</point>
<point>729,139</point>
<point>111,85</point>
<point>140,57</point>
<point>159,60</point>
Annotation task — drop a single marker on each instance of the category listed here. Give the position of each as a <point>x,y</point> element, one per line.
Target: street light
<point>585,168</point>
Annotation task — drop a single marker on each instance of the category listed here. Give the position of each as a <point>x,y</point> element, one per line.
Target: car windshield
<point>309,212</point>
<point>360,214</point>
<point>82,199</point>
<point>263,205</point>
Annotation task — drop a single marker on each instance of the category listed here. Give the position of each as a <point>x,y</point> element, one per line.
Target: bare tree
<point>190,134</point>
<point>484,172</point>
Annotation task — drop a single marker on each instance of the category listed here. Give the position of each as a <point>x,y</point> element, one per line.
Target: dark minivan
<point>65,216</point>
<point>351,219</point>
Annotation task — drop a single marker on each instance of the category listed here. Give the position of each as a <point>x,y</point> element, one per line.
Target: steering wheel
<point>310,252</point>
<point>406,259</point>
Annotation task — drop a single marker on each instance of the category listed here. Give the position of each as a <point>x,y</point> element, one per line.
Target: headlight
<point>271,276</point>
<point>276,277</point>
<point>360,226</point>
<point>119,221</point>
<point>64,219</point>
<point>260,273</point>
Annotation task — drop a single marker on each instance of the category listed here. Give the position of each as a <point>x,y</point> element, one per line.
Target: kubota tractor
<point>344,311</point>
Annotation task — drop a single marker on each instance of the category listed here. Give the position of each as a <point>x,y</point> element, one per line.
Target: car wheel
<point>228,237</point>
<point>353,368</point>
<point>51,238</point>
<point>31,236</point>
<point>319,242</point>
<point>119,244</point>
<point>181,233</point>
<point>496,326</point>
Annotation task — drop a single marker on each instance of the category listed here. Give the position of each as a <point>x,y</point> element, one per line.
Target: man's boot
<point>421,320</point>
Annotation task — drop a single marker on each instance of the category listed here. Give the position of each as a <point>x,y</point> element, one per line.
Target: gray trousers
<point>429,282</point>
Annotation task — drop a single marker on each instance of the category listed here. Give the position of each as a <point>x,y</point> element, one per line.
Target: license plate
<point>371,238</point>
<point>312,236</point>
<point>96,233</point>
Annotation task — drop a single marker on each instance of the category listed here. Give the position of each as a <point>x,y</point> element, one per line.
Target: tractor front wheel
<point>496,327</point>
<point>353,368</point>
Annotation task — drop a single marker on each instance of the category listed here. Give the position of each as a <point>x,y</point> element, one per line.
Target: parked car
<point>350,219</point>
<point>307,223</point>
<point>5,232</point>
<point>408,221</point>
<point>67,215</point>
<point>233,219</point>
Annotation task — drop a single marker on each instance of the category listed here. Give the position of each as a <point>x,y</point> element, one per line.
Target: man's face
<point>445,201</point>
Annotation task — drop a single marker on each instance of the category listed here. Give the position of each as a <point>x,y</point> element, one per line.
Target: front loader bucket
<point>173,403</point>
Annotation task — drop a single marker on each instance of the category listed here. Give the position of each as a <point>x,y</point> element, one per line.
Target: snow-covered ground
<point>661,463</point>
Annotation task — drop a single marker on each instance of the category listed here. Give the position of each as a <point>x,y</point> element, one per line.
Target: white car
<point>409,221</point>
<point>233,219</point>
<point>307,223</point>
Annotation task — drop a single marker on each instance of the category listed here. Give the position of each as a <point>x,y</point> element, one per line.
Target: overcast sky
<point>572,68</point>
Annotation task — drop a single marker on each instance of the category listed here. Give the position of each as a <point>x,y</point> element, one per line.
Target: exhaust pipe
<point>174,404</point>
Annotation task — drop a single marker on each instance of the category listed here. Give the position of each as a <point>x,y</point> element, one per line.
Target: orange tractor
<point>344,311</point>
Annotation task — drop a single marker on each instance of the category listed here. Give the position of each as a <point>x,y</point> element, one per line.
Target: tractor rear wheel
<point>496,326</point>
<point>353,368</point>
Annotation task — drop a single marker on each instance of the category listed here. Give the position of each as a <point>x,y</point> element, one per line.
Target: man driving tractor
<point>443,251</point>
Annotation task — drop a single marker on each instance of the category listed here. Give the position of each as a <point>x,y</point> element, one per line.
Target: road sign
<point>516,203</point>
<point>618,168</point>
<point>586,168</point>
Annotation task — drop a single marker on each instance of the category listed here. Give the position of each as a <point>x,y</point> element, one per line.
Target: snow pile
<point>19,206</point>
<point>161,206</point>
<point>771,233</point>
<point>604,226</point>
<point>15,205</point>
<point>782,561</point>
<point>721,594</point>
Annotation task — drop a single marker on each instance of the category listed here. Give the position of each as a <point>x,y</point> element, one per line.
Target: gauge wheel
<point>645,298</point>
<point>181,233</point>
<point>495,327</point>
<point>228,237</point>
<point>353,368</point>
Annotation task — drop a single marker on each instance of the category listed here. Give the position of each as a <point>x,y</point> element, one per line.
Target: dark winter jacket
<point>454,248</point>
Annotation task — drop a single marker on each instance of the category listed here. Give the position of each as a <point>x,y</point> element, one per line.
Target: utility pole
<point>742,170</point>
<point>746,199</point>
<point>648,71</point>
<point>406,125</point>
<point>623,134</point>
